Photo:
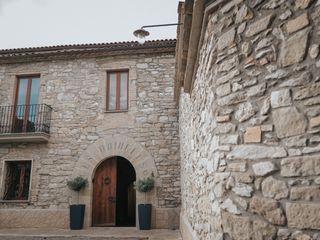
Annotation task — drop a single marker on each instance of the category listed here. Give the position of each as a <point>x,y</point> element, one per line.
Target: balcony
<point>25,123</point>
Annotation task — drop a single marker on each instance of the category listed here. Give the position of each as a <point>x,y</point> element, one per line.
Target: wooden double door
<point>113,196</point>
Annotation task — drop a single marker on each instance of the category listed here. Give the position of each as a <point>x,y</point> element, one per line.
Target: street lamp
<point>141,33</point>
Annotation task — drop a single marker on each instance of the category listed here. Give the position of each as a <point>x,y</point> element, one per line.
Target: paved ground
<point>88,234</point>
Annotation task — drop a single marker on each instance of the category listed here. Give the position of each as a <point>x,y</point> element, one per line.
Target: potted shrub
<point>77,210</point>
<point>144,210</point>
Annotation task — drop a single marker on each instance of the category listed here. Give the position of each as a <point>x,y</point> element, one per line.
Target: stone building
<point>249,119</point>
<point>105,112</point>
<point>245,75</point>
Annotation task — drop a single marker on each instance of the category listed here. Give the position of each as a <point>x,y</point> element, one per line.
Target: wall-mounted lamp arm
<point>141,33</point>
<point>161,25</point>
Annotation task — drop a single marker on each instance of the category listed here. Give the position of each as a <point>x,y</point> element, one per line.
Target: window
<point>26,104</point>
<point>17,180</point>
<point>28,90</point>
<point>117,91</point>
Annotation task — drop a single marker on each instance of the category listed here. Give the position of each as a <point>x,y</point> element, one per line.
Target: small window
<point>17,180</point>
<point>117,91</point>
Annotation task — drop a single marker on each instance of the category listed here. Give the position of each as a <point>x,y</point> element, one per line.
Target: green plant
<point>77,184</point>
<point>144,185</point>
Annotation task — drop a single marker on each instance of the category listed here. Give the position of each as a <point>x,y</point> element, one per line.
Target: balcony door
<point>26,104</point>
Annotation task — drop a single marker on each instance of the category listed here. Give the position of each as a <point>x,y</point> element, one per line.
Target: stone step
<point>108,233</point>
<point>20,237</point>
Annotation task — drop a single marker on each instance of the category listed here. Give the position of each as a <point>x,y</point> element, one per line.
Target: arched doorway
<point>114,199</point>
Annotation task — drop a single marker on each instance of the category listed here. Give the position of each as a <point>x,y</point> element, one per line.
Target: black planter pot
<point>144,211</point>
<point>76,216</point>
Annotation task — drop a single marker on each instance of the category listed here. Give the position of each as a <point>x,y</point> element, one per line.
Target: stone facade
<point>249,129</point>
<point>83,134</point>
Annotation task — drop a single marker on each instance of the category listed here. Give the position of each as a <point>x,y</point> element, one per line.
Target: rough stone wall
<point>250,128</point>
<point>76,91</point>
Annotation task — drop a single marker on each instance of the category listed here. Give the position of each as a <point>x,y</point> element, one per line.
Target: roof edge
<point>84,45</point>
<point>85,50</point>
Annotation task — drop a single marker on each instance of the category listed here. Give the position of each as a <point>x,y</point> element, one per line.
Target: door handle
<point>112,199</point>
<point>107,180</point>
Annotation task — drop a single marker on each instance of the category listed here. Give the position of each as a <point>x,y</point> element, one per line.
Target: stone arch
<point>109,146</point>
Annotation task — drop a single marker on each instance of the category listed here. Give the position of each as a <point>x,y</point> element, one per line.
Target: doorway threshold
<point>95,233</point>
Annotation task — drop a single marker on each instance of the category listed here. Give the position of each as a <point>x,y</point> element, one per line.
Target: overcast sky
<point>31,23</point>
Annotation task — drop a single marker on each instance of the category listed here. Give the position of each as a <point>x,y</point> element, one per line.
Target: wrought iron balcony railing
<point>34,118</point>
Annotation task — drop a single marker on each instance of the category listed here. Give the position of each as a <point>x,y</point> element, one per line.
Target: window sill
<point>120,111</point>
<point>14,201</point>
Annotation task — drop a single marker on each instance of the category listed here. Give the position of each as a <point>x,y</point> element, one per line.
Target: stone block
<point>272,4</point>
<point>307,92</point>
<point>285,15</point>
<point>255,152</point>
<point>227,7</point>
<point>263,43</point>
<point>301,80</point>
<point>312,101</point>
<point>280,98</point>
<point>224,89</point>
<point>34,218</point>
<point>302,4</point>
<point>257,90</point>
<point>237,167</point>
<point>274,188</point>
<point>314,51</point>
<point>229,139</point>
<point>289,122</point>
<point>296,141</point>
<point>243,190</point>
<point>236,87</point>
<point>297,23</point>
<point>293,49</point>
<point>252,135</point>
<point>223,128</point>
<point>259,25</point>
<point>237,227</point>
<point>241,202</point>
<point>294,152</point>
<point>269,209</point>
<point>229,206</point>
<point>308,193</point>
<point>300,166</point>
<point>227,77</point>
<point>314,139</point>
<point>298,235</point>
<point>243,14</point>
<point>228,64</point>
<point>246,49</point>
<point>308,150</point>
<point>241,27</point>
<point>267,128</point>
<point>244,112</point>
<point>262,230</point>
<point>232,98</point>
<point>226,39</point>
<point>243,177</point>
<point>166,218</point>
<point>264,168</point>
<point>303,215</point>
<point>277,74</point>
<point>315,122</point>
<point>225,118</point>
<point>266,105</point>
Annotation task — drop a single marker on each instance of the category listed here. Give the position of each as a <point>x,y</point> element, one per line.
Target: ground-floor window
<point>17,180</point>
